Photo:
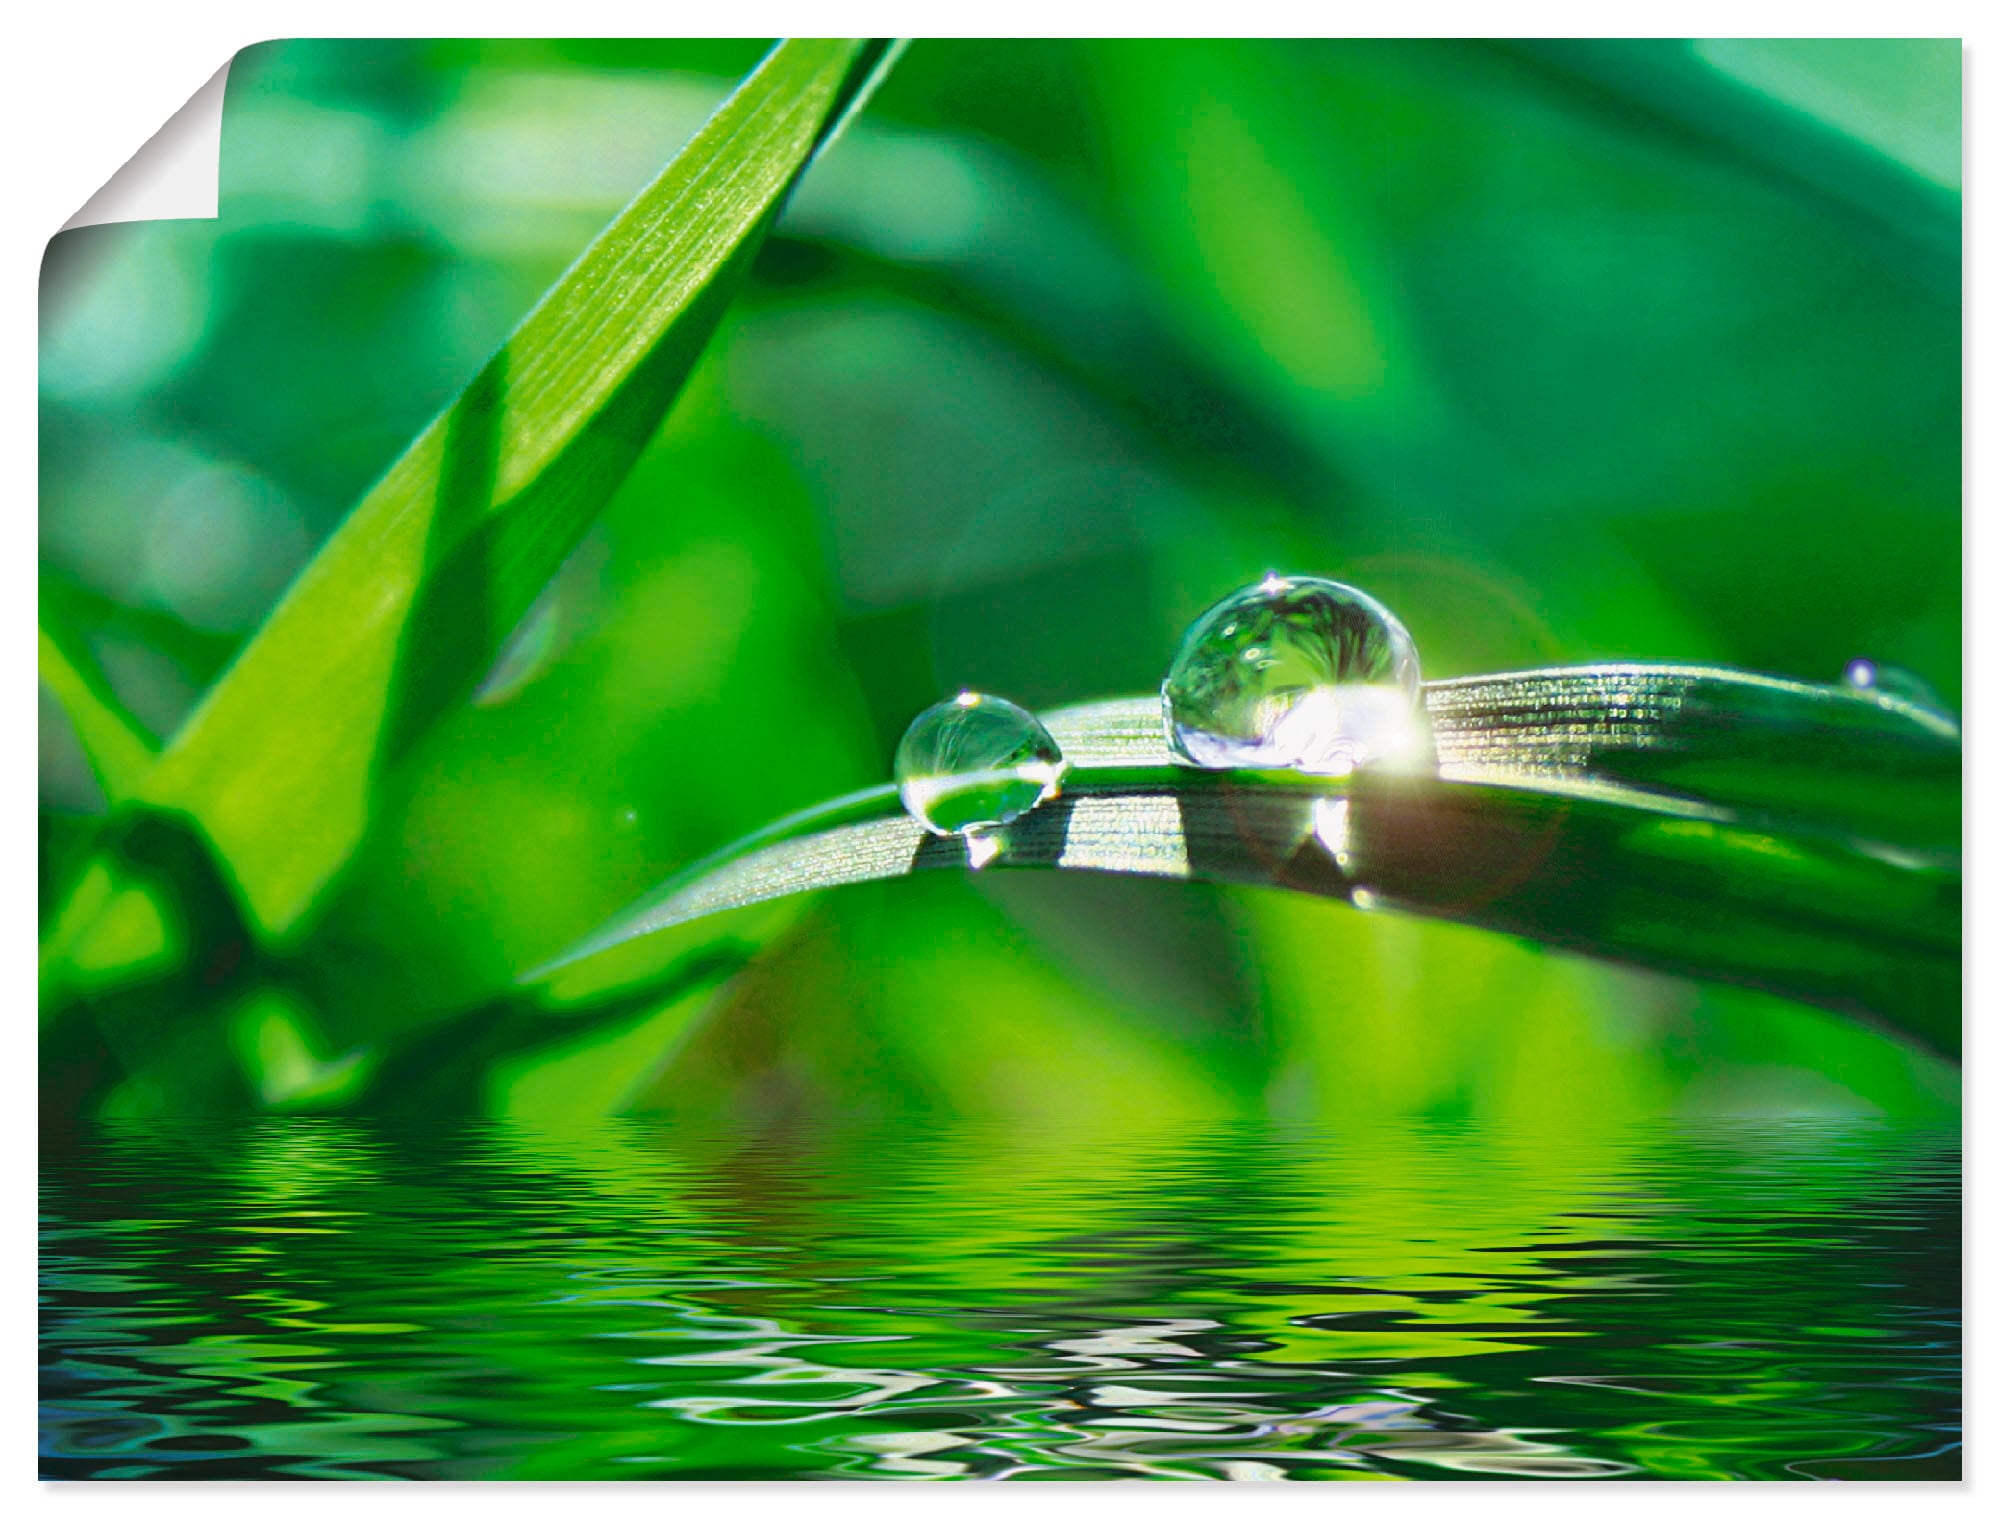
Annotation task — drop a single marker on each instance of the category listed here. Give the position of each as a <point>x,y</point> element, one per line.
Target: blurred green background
<point>1565,352</point>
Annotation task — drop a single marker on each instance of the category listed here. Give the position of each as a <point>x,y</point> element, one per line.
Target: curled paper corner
<point>175,176</point>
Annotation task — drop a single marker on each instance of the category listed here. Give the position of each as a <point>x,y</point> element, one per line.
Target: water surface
<point>332,1298</point>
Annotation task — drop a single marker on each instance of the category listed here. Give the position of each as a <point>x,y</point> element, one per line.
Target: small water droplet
<point>547,628</point>
<point>1296,673</point>
<point>528,651</point>
<point>976,762</point>
<point>1865,675</point>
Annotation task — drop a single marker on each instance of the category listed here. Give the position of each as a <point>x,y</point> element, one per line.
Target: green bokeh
<point>1646,352</point>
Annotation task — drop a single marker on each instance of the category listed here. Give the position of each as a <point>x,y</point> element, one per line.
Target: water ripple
<point>330,1298</point>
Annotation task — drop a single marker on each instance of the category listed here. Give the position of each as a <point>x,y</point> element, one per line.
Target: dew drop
<point>1888,680</point>
<point>1295,673</point>
<point>976,762</point>
<point>1898,689</point>
<point>526,654</point>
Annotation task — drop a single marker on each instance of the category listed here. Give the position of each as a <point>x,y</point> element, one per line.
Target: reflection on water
<point>326,1298</point>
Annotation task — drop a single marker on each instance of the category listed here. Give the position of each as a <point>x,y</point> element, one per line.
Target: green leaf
<point>1675,88</point>
<point>1799,839</point>
<point>119,750</point>
<point>407,604</point>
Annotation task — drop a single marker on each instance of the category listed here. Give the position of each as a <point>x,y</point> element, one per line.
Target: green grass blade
<point>119,750</point>
<point>1671,817</point>
<point>1666,86</point>
<point>406,605</point>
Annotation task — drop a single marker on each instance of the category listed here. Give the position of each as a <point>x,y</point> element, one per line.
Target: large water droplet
<point>976,762</point>
<point>1295,673</point>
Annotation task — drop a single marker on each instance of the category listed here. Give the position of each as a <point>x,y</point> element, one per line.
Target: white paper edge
<point>176,176</point>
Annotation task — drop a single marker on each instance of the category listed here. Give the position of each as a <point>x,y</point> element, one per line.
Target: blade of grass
<point>1871,765</point>
<point>407,603</point>
<point>1671,817</point>
<point>1667,87</point>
